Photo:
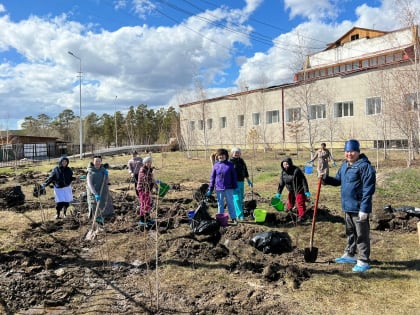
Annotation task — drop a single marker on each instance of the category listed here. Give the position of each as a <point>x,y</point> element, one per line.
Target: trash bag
<point>38,190</point>
<point>15,196</point>
<point>409,209</point>
<point>202,223</point>
<point>274,242</point>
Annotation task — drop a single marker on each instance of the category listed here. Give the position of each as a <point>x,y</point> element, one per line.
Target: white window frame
<point>317,111</point>
<point>293,114</point>
<point>373,106</point>
<point>272,117</point>
<point>343,109</point>
<point>256,119</point>
<point>223,122</point>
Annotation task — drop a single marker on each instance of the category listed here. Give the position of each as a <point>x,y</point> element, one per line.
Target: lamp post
<point>80,104</point>
<point>115,122</point>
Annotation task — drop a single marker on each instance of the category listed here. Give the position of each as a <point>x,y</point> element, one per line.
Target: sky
<point>163,53</point>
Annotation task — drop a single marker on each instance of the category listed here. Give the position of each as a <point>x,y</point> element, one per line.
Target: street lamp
<point>80,104</point>
<point>115,122</point>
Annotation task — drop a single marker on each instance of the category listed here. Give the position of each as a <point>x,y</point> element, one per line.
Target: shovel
<point>91,234</point>
<point>311,252</point>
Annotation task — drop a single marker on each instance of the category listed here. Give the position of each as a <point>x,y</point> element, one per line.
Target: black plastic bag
<point>202,223</point>
<point>38,190</point>
<point>272,242</point>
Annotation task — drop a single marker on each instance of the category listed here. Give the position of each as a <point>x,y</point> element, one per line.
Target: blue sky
<point>157,52</point>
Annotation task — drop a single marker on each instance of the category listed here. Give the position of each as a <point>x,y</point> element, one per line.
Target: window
<point>330,71</point>
<point>192,125</point>
<point>292,114</point>
<point>256,121</point>
<point>200,125</point>
<point>273,117</point>
<point>411,101</point>
<point>356,65</point>
<point>348,67</point>
<point>373,106</point>
<point>381,60</point>
<point>342,68</point>
<point>241,120</point>
<point>354,37</point>
<point>373,61</point>
<point>398,57</point>
<point>343,109</point>
<point>223,122</point>
<point>317,111</point>
<point>389,58</point>
<point>209,123</point>
<point>365,63</point>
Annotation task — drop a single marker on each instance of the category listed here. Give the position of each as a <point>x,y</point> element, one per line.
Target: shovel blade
<point>311,254</point>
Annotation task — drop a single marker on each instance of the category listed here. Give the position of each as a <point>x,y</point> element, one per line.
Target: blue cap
<point>352,145</point>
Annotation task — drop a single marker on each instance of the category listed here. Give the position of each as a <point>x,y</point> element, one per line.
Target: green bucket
<point>259,215</point>
<point>163,189</point>
<point>277,204</point>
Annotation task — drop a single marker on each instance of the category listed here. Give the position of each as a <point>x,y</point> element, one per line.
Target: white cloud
<point>280,62</point>
<point>313,10</point>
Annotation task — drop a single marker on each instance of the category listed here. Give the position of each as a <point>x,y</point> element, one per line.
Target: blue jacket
<point>357,185</point>
<point>223,176</point>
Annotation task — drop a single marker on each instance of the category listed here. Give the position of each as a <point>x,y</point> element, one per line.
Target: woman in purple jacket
<point>223,179</point>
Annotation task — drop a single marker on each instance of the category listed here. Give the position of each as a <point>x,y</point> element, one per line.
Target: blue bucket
<point>309,169</point>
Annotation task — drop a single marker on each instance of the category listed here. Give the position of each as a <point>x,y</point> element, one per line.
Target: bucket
<point>259,215</point>
<point>222,218</point>
<point>191,215</point>
<point>277,204</point>
<point>309,169</point>
<point>163,189</point>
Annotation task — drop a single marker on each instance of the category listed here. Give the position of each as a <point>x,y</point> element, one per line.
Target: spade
<point>311,252</point>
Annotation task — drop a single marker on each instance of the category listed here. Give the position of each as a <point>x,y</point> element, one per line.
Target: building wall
<point>355,87</point>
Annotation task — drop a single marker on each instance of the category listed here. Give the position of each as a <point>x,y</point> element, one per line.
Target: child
<point>223,179</point>
<point>242,174</point>
<point>145,185</point>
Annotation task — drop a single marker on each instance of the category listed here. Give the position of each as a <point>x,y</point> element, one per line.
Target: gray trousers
<point>358,237</point>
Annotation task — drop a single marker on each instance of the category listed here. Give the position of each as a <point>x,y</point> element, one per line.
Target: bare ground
<point>49,267</point>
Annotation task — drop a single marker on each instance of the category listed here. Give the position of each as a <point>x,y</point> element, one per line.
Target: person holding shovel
<point>145,186</point>
<point>98,196</point>
<point>357,179</point>
<point>324,156</point>
<point>61,176</point>
<point>295,181</point>
<point>242,174</point>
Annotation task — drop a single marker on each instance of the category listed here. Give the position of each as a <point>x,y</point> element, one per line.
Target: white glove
<point>363,216</point>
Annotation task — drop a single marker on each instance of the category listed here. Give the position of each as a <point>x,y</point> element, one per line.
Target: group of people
<point>99,199</point>
<point>356,176</point>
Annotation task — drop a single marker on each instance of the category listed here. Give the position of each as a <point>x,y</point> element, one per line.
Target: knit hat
<point>147,159</point>
<point>235,150</point>
<point>352,145</point>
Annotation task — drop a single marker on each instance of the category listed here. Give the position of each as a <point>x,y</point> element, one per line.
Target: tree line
<point>139,126</point>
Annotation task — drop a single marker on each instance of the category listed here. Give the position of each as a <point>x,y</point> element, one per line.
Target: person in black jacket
<point>61,176</point>
<point>295,181</point>
<point>242,174</point>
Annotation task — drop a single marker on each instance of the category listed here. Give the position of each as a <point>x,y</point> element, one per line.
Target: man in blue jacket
<point>357,179</point>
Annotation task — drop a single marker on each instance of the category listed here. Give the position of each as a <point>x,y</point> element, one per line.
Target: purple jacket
<point>223,176</point>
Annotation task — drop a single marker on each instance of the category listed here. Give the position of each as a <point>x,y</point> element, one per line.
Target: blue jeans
<point>238,198</point>
<point>227,195</point>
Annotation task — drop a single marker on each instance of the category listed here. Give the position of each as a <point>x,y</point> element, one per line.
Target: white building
<point>364,86</point>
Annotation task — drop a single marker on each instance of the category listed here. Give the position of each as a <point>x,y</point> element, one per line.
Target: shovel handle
<point>318,191</point>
